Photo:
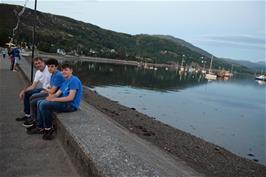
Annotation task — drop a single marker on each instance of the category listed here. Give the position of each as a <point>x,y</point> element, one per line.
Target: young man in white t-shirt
<point>42,76</point>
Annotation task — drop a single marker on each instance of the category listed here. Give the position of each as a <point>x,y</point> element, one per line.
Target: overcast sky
<point>232,29</point>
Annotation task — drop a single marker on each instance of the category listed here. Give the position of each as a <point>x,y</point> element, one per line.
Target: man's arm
<point>68,98</point>
<point>31,87</point>
<point>51,90</point>
<point>57,94</point>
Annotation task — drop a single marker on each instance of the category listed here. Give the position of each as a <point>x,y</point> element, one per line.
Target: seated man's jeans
<point>33,103</point>
<point>27,96</point>
<point>46,108</point>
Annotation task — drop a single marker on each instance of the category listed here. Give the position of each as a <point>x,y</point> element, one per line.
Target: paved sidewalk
<point>22,154</point>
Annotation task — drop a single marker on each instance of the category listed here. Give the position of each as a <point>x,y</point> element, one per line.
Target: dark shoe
<point>32,127</point>
<point>28,123</point>
<point>22,118</point>
<point>35,131</point>
<point>48,134</point>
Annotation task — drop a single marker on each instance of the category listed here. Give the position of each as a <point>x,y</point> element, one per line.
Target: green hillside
<point>76,37</point>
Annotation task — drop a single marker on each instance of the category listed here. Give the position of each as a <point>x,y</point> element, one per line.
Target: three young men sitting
<point>63,95</point>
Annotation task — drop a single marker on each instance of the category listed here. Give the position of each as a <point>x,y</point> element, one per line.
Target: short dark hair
<point>66,65</point>
<point>38,58</point>
<point>52,61</point>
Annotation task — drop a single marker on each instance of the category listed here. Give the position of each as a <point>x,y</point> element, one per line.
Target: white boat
<point>261,78</point>
<point>210,75</point>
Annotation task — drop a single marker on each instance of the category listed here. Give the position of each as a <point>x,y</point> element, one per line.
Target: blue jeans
<point>27,96</point>
<point>46,108</point>
<point>33,103</point>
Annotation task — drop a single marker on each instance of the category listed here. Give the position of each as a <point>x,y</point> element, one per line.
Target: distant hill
<point>257,67</point>
<point>262,63</point>
<point>185,44</point>
<point>78,38</point>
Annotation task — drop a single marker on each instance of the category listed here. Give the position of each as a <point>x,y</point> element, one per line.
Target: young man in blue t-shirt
<point>56,82</point>
<point>66,99</point>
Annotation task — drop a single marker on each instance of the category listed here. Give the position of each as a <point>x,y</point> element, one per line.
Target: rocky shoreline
<point>203,156</point>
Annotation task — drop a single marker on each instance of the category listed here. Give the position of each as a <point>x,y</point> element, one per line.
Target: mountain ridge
<point>186,44</point>
<point>256,66</point>
<point>77,37</point>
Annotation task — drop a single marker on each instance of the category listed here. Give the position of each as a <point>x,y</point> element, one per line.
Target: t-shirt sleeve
<point>74,85</point>
<point>37,76</point>
<point>58,81</point>
<point>62,87</point>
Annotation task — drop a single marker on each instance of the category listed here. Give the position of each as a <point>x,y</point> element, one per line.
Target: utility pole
<point>33,40</point>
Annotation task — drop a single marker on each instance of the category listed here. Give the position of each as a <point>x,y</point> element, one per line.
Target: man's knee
<point>34,97</point>
<point>33,102</point>
<point>38,96</point>
<point>28,94</point>
<point>31,98</point>
<point>42,104</point>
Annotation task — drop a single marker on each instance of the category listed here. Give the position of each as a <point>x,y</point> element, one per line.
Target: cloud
<point>240,41</point>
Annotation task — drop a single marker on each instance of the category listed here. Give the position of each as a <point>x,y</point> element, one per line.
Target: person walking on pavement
<point>16,53</point>
<point>4,53</point>
<point>11,57</point>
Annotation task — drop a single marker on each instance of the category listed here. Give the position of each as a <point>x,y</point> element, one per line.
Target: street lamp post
<point>33,40</point>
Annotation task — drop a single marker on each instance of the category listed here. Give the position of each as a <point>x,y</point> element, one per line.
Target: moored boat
<point>210,75</point>
<point>261,78</point>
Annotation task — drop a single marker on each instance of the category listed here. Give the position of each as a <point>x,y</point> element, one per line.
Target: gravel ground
<point>207,158</point>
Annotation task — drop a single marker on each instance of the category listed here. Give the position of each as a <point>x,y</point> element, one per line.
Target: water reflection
<point>261,82</point>
<point>229,113</point>
<point>99,74</point>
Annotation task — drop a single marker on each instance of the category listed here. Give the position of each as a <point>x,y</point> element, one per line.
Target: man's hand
<point>44,91</point>
<point>50,98</point>
<point>21,94</point>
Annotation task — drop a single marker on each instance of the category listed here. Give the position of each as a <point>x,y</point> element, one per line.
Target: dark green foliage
<point>76,37</point>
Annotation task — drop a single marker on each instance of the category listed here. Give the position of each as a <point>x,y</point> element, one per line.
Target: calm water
<point>228,113</point>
